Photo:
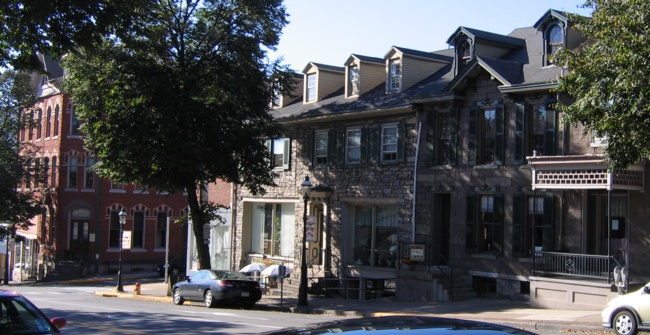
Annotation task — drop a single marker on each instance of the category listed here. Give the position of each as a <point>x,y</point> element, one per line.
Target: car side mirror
<point>188,279</point>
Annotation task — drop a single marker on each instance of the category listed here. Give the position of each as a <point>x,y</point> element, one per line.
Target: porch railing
<point>576,265</point>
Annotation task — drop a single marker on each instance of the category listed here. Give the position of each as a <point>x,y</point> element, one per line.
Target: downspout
<point>415,179</point>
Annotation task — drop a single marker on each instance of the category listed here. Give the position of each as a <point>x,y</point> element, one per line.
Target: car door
<point>643,306</point>
<point>189,289</point>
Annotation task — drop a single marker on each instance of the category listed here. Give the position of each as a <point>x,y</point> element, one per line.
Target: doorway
<point>440,228</point>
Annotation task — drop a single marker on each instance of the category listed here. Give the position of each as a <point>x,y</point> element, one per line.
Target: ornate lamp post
<point>302,291</point>
<point>122,216</point>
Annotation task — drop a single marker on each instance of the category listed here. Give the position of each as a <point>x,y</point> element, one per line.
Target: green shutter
<point>497,245</point>
<point>550,129</point>
<point>269,153</point>
<point>520,126</point>
<point>309,148</point>
<point>401,134</point>
<point>453,136</point>
<point>366,144</point>
<point>430,142</point>
<point>548,226</point>
<point>471,225</point>
<point>331,146</point>
<point>472,136</point>
<point>340,146</point>
<point>374,144</point>
<point>518,228</point>
<point>286,157</point>
<point>499,136</point>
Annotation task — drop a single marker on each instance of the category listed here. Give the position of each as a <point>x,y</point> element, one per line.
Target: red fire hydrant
<point>137,288</point>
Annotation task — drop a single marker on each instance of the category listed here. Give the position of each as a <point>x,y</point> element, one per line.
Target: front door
<point>440,228</point>
<point>79,238</point>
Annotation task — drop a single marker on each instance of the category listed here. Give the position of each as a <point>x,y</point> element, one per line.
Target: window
<point>353,146</point>
<point>395,75</point>
<point>53,175</point>
<point>48,123</point>
<point>74,122</point>
<point>273,229</point>
<point>554,40</point>
<point>321,139</point>
<point>389,143</point>
<point>372,235</point>
<point>137,237</point>
<point>161,230</point>
<point>30,124</point>
<point>535,128</point>
<point>354,80</point>
<point>89,176</point>
<point>311,87</point>
<point>441,138</point>
<point>280,152</point>
<point>139,188</point>
<point>55,128</point>
<point>485,224</point>
<point>39,124</point>
<point>117,185</point>
<point>114,230</point>
<point>486,136</point>
<point>72,171</point>
<point>464,55</point>
<point>533,224</point>
<point>45,172</point>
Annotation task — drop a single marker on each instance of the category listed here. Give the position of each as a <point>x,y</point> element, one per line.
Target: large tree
<point>16,207</point>
<point>184,100</point>
<point>53,27</point>
<point>609,78</point>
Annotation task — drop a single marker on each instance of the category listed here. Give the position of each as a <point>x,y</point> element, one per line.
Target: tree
<point>184,99</point>
<point>16,207</point>
<point>609,78</point>
<point>53,27</point>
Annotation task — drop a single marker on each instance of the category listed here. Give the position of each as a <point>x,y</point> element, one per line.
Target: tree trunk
<point>202,249</point>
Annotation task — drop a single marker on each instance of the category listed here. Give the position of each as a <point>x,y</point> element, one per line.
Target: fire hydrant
<point>137,289</point>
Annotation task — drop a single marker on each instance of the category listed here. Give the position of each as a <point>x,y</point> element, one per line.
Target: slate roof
<point>369,59</point>
<point>325,67</point>
<point>485,36</point>
<point>423,54</point>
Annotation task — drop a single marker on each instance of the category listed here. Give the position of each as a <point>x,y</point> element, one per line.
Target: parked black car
<point>389,325</point>
<point>19,316</point>
<point>218,286</point>
<point>176,267</point>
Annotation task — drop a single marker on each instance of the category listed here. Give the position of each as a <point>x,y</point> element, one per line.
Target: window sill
<point>138,250</point>
<point>116,191</point>
<point>486,167</point>
<point>163,249</point>
<point>88,190</point>
<point>485,256</point>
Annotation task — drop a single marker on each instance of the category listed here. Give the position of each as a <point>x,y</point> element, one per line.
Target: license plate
<point>245,294</point>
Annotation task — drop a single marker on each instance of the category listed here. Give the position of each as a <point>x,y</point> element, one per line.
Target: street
<point>89,314</point>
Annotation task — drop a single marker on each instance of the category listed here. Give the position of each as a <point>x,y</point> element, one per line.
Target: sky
<point>329,31</point>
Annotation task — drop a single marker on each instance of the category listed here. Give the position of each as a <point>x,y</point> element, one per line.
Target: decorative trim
<point>486,189</point>
<point>441,188</point>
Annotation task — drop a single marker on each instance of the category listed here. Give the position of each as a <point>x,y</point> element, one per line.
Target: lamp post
<point>302,291</point>
<point>122,216</point>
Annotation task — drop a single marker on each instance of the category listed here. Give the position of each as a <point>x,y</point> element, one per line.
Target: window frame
<point>476,138</point>
<point>161,230</point>
<point>378,253</point>
<point>523,146</point>
<point>354,80</point>
<point>74,121</point>
<point>526,233</point>
<point>551,45</point>
<point>311,93</point>
<point>395,75</point>
<point>277,219</point>
<point>274,146</point>
<point>492,241</point>
<point>139,226</point>
<point>73,171</point>
<point>389,143</point>
<point>113,229</point>
<point>56,120</point>
<point>351,149</point>
<point>89,175</point>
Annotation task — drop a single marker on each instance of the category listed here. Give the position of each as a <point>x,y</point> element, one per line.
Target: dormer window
<point>554,39</point>
<point>311,87</point>
<point>395,76</point>
<point>354,80</point>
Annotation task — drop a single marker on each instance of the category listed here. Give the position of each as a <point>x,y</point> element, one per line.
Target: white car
<point>629,313</point>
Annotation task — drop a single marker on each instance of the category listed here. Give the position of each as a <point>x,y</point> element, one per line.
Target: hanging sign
<point>310,229</point>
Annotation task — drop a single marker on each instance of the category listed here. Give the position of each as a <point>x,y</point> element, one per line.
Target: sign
<point>417,252</point>
<point>310,229</point>
<point>126,239</point>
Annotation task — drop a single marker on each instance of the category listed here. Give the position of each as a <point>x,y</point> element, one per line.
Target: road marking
<point>220,314</point>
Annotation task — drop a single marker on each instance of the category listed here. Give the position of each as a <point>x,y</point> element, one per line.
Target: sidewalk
<point>507,312</point>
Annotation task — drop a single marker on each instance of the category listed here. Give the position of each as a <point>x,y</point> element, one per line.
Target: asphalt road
<point>89,314</point>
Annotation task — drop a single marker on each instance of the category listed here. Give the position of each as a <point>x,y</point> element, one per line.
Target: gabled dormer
<point>283,99</point>
<point>321,80</point>
<point>472,43</point>
<point>556,29</point>
<point>363,73</point>
<point>406,67</point>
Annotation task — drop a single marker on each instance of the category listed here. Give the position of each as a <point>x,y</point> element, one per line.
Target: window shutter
<point>518,214</point>
<point>472,136</point>
<point>499,136</point>
<point>373,144</point>
<point>453,136</point>
<point>309,148</point>
<point>331,146</point>
<point>269,152</point>
<point>366,144</point>
<point>497,246</point>
<point>340,146</point>
<point>470,225</point>
<point>286,157</point>
<point>551,126</point>
<point>549,218</point>
<point>520,123</point>
<point>401,129</point>
<point>430,142</point>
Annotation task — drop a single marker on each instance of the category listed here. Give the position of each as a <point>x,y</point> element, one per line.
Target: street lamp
<point>122,216</point>
<point>302,291</point>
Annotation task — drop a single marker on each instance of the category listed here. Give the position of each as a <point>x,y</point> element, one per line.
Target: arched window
<point>48,123</point>
<point>39,124</point>
<point>74,122</point>
<point>464,54</point>
<point>55,128</point>
<point>554,39</point>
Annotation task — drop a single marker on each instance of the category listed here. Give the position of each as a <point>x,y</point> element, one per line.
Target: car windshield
<point>17,316</point>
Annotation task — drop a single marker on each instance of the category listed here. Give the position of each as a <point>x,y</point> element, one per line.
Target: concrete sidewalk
<point>507,312</point>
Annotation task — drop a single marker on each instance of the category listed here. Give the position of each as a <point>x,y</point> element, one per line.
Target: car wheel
<point>208,298</point>
<point>625,323</point>
<point>178,298</point>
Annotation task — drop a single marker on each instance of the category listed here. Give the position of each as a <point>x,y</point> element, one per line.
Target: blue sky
<point>328,31</point>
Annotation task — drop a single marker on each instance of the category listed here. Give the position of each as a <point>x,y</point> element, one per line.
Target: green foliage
<point>16,207</point>
<point>54,27</point>
<point>610,78</point>
<point>183,99</point>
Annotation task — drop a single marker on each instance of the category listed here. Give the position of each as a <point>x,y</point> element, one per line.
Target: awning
<point>582,172</point>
